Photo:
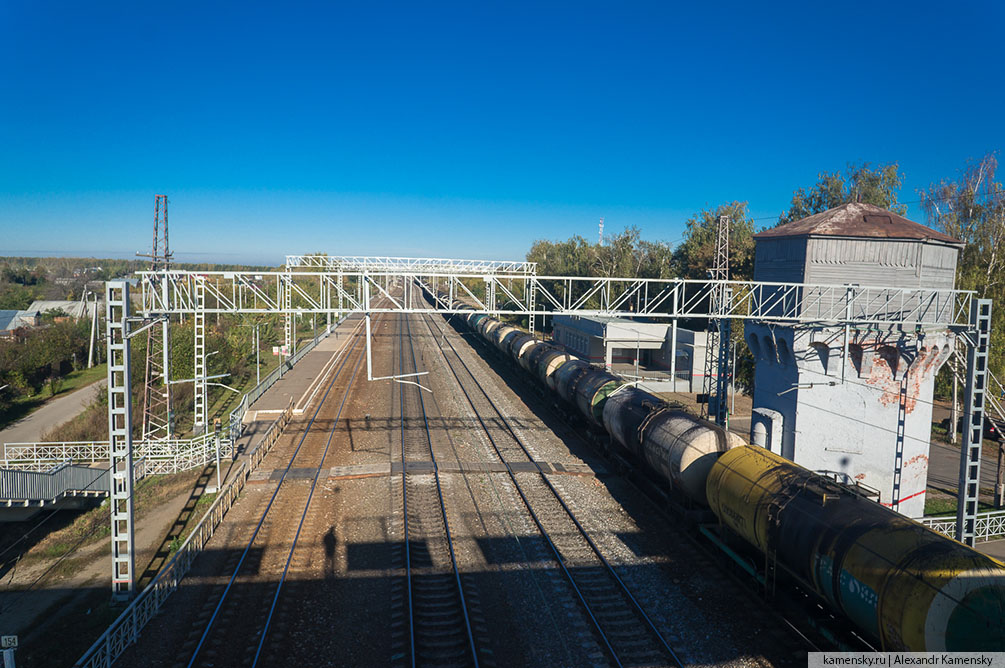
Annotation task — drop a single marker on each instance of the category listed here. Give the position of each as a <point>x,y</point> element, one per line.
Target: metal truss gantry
<point>120,438</point>
<point>172,292</point>
<point>199,347</point>
<point>325,292</point>
<point>388,263</point>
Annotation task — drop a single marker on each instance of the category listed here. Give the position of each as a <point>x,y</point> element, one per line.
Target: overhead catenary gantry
<point>390,263</point>
<point>333,288</point>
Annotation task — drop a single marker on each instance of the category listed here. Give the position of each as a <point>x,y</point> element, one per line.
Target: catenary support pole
<point>120,439</point>
<point>973,421</point>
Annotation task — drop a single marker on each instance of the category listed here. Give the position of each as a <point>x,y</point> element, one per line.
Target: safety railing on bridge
<point>124,631</point>
<point>26,487</point>
<point>988,526</point>
<point>162,456</point>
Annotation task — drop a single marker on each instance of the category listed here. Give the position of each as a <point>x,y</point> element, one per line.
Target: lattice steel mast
<point>157,388</point>
<point>717,371</point>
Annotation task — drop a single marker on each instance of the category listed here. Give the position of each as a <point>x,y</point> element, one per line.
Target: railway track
<point>245,606</point>
<point>433,592</point>
<point>801,620</point>
<point>623,627</point>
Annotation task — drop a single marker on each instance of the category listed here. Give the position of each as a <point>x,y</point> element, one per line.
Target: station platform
<point>299,385</point>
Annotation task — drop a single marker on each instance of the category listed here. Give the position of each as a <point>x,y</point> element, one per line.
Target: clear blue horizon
<point>468,130</point>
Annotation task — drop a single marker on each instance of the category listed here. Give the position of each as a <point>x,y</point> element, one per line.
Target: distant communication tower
<point>156,388</point>
<point>601,241</point>
<point>717,371</point>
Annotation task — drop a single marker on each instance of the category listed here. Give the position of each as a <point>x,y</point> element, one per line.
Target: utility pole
<point>157,387</point>
<point>94,334</point>
<point>258,361</point>
<point>717,357</point>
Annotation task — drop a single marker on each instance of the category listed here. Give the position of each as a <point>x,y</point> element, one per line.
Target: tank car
<point>625,411</point>
<point>591,394</point>
<point>681,448</point>
<point>500,334</point>
<point>532,357</point>
<point>568,374</point>
<point>519,345</point>
<point>905,585</point>
<point>549,363</point>
<point>487,326</point>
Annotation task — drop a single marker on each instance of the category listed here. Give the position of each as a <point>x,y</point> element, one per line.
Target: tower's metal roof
<point>860,220</point>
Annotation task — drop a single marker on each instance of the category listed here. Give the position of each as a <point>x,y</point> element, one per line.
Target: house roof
<point>74,309</point>
<point>859,220</point>
<point>6,317</point>
<point>13,319</point>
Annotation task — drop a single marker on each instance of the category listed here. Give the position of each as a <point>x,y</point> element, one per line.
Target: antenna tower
<point>157,416</point>
<point>600,242</point>
<point>717,350</point>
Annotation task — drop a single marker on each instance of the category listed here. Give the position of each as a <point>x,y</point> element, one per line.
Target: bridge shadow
<point>172,539</point>
<point>348,609</point>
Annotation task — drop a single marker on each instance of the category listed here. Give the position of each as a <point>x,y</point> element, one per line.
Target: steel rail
<point>261,521</point>
<point>303,516</point>
<point>595,548</point>
<point>439,493</point>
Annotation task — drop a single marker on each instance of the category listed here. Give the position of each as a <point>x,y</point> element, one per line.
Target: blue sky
<point>465,130</point>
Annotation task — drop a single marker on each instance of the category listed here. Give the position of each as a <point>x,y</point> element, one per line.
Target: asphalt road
<point>30,428</point>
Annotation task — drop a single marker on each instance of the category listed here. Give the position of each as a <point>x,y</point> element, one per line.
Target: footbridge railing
<point>163,456</point>
<point>21,487</point>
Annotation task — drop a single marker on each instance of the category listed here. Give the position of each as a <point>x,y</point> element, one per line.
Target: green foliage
<point>694,256</point>
<point>972,209</point>
<point>625,255</point>
<point>859,183</point>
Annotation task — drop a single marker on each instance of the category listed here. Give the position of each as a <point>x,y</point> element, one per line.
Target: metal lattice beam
<point>388,263</point>
<point>315,292</point>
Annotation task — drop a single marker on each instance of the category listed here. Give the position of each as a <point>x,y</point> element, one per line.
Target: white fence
<point>989,525</point>
<point>161,456</point>
<point>126,628</point>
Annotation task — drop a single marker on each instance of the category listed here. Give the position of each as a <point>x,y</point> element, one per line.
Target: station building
<point>635,348</point>
<point>865,416</point>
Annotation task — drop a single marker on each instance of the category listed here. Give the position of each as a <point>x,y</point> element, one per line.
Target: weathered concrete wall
<point>850,426</point>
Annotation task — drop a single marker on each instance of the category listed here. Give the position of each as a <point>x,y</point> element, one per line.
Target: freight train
<point>902,585</point>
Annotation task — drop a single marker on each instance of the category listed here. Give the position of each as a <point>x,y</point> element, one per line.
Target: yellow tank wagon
<point>905,586</point>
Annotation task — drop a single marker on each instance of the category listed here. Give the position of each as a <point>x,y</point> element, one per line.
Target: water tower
<point>853,402</point>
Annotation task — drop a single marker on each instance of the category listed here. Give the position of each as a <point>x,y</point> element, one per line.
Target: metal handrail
<point>126,628</point>
<point>164,456</point>
<point>988,526</point>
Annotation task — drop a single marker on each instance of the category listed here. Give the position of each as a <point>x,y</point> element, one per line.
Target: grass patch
<point>939,505</point>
